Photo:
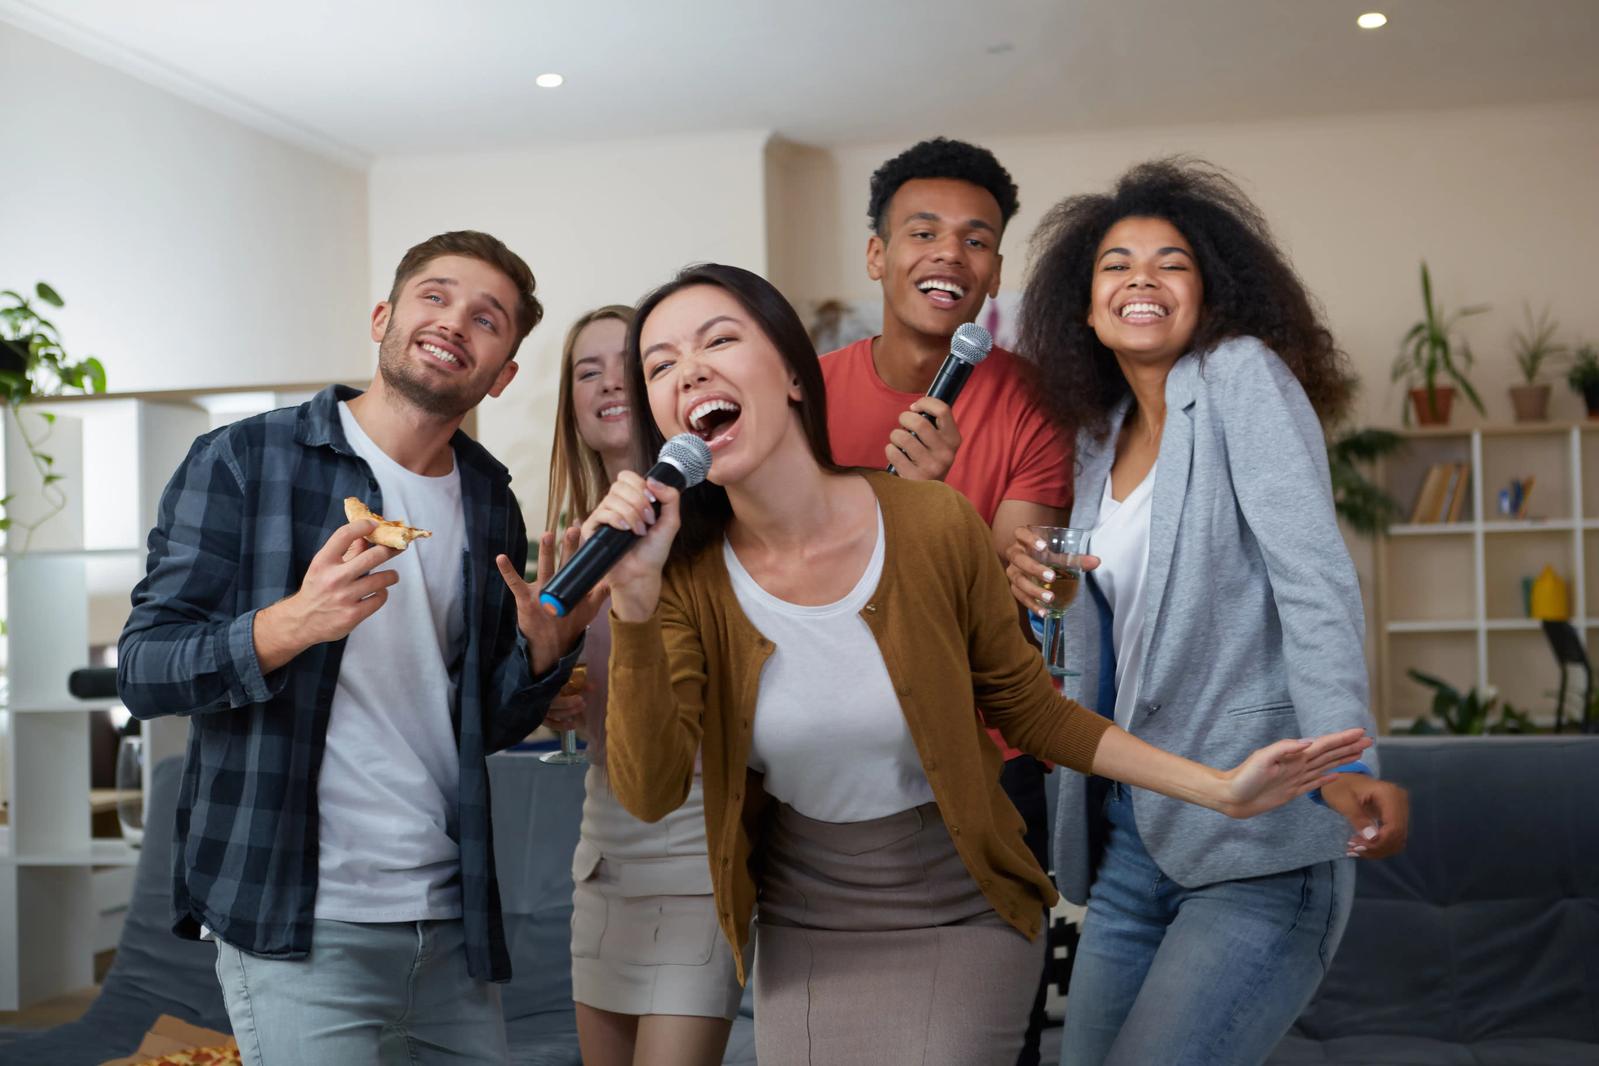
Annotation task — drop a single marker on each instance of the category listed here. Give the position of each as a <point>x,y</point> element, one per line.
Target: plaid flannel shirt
<point>237,528</point>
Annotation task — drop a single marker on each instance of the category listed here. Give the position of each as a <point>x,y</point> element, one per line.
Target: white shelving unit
<point>62,890</point>
<point>1449,596</point>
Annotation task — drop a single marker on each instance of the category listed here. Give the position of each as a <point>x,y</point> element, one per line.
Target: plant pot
<point>13,356</point>
<point>1590,396</point>
<point>1435,413</point>
<point>1530,402</point>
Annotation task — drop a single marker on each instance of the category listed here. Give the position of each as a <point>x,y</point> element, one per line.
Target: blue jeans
<point>1210,976</point>
<point>390,992</point>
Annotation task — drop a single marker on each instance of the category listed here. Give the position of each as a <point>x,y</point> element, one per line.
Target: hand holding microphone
<point>629,535</point>
<point>923,448</point>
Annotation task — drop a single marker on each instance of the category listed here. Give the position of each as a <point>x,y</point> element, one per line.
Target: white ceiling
<point>359,79</point>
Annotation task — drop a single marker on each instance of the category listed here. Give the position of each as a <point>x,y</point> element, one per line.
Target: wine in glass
<point>1062,551</point>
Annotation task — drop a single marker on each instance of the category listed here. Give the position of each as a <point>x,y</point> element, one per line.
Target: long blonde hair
<point>577,474</point>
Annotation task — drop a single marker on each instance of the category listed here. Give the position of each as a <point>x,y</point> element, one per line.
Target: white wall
<point>191,251</point>
<point>600,223</point>
<point>1499,201</point>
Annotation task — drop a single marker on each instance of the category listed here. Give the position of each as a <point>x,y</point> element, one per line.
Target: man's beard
<point>409,382</point>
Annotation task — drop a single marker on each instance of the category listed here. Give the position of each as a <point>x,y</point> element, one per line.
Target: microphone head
<point>690,455</point>
<point>971,343</point>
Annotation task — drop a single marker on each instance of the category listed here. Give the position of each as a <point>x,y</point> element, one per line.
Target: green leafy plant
<point>1364,506</point>
<point>1535,343</point>
<point>1469,714</point>
<point>1431,349</point>
<point>1583,373</point>
<point>34,364</point>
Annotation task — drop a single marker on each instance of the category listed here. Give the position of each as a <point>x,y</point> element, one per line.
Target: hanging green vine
<point>34,364</point>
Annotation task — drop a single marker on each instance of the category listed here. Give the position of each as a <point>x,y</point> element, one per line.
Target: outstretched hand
<point>548,637</point>
<point>1288,769</point>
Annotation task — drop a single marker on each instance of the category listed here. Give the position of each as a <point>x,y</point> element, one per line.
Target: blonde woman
<point>650,978</point>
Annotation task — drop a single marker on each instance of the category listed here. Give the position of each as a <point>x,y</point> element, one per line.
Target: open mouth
<point>1140,312</point>
<point>713,421</point>
<point>614,413</point>
<point>941,292</point>
<point>440,354</point>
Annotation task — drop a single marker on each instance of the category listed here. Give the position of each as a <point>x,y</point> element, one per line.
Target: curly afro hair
<point>1250,290</point>
<point>941,158</point>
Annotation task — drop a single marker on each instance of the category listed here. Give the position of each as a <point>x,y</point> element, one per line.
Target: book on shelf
<point>1442,496</point>
<point>1457,506</point>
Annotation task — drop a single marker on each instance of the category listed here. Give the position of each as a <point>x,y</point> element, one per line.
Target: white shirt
<point>387,793</point>
<point>1121,540</point>
<point>829,734</point>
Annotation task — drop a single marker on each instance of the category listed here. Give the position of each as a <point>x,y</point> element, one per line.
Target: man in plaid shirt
<point>333,824</point>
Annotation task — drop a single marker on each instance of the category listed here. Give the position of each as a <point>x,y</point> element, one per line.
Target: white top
<point>387,793</point>
<point>1121,540</point>
<point>829,735</point>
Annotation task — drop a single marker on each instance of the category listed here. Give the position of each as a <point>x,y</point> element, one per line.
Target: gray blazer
<point>1254,626</point>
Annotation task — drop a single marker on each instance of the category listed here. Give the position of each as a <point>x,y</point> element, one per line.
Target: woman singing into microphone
<point>649,978</point>
<point>824,635</point>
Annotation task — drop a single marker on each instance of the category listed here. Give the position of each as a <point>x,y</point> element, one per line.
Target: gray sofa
<point>1479,945</point>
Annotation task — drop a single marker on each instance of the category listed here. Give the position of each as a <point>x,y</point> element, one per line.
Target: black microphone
<point>683,463</point>
<point>968,347</point>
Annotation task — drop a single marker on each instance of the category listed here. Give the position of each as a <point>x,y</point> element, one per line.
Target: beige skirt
<point>876,946</point>
<point>644,934</point>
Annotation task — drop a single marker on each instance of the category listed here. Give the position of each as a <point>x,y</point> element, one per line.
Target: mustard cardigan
<point>685,681</point>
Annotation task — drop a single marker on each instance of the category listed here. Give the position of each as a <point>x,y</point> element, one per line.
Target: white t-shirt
<point>1121,540</point>
<point>387,793</point>
<point>829,735</point>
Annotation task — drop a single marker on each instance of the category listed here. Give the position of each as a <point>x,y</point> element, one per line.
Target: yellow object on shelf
<point>1551,602</point>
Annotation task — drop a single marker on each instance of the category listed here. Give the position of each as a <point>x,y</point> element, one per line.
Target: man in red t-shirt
<point>938,211</point>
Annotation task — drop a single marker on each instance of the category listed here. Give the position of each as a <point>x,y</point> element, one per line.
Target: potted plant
<point>1534,345</point>
<point>1470,714</point>
<point>1360,503</point>
<point>1431,349</point>
<point>33,364</point>
<point>1583,376</point>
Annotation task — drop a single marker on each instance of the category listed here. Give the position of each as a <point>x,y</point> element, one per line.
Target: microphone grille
<point>689,454</point>
<point>971,343</point>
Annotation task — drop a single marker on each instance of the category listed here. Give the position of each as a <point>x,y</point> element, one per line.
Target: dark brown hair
<point>481,246</point>
<point>1250,290</point>
<point>577,475</point>
<point>706,509</point>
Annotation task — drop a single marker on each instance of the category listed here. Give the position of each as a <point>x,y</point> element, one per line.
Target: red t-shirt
<point>1010,449</point>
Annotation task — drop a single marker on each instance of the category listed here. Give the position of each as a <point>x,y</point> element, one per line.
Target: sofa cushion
<point>1481,942</point>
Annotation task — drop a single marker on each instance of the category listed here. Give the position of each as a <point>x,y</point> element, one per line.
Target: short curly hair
<point>941,158</point>
<point>1250,290</point>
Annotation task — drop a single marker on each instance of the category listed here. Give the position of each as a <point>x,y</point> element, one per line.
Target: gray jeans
<point>391,993</point>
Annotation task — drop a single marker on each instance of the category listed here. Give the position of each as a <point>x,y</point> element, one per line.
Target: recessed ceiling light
<point>548,81</point>
<point>1372,20</point>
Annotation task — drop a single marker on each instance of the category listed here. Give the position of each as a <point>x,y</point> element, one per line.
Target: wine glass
<point>1062,551</point>
<point>568,753</point>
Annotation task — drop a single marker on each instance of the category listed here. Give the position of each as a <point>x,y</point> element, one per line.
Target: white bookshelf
<point>63,891</point>
<point>1449,596</point>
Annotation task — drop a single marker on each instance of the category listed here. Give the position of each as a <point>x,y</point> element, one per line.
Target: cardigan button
<point>871,608</point>
<point>955,830</point>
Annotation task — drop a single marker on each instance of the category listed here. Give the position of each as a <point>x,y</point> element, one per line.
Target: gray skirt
<point>876,946</point>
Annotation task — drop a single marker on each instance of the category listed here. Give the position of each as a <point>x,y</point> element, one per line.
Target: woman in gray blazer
<point>1222,614</point>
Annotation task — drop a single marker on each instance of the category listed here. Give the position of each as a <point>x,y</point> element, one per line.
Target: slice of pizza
<point>389,533</point>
